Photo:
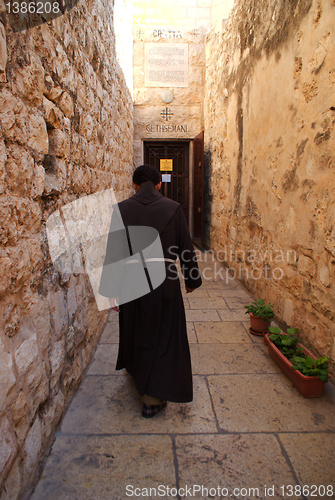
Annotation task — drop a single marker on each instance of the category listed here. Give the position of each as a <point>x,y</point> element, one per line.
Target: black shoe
<point>149,411</point>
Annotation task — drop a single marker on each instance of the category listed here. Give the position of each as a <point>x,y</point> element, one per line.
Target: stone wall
<point>269,140</point>
<point>66,132</point>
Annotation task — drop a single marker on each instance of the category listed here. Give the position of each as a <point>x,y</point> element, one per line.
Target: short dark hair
<point>145,173</point>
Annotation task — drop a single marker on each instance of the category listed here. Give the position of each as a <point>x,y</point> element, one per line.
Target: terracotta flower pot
<point>258,326</point>
<point>309,387</point>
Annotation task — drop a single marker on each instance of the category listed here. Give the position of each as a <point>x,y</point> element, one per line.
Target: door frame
<point>191,167</point>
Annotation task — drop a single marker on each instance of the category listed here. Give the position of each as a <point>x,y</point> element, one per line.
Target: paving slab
<point>202,315</point>
<point>312,456</point>
<point>268,403</point>
<point>214,332</point>
<point>104,360</point>
<point>110,335</point>
<point>191,335</point>
<point>104,467</point>
<point>113,316</point>
<point>207,303</point>
<point>221,285</point>
<point>237,302</point>
<point>237,314</point>
<point>198,292</point>
<point>111,405</point>
<point>243,466</point>
<point>228,292</point>
<point>219,359</point>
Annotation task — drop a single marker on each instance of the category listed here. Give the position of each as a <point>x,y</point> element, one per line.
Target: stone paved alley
<point>247,428</point>
<point>233,102</point>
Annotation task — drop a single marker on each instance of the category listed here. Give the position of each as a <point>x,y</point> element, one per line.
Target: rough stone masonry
<point>66,131</point>
<point>269,140</point>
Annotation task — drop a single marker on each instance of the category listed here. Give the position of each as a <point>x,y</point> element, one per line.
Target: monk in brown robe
<point>153,344</point>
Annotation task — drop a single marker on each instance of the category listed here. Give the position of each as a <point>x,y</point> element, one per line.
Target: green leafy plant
<point>260,309</point>
<point>312,367</point>
<point>287,344</point>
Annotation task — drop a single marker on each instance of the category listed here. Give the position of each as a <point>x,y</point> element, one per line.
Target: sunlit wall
<point>123,26</point>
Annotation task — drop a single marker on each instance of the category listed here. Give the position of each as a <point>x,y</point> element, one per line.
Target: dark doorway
<point>172,161</point>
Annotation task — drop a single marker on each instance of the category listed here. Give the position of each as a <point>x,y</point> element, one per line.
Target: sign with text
<point>166,165</point>
<point>152,127</point>
<point>166,65</point>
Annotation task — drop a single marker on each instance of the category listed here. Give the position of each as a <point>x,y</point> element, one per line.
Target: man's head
<point>146,173</point>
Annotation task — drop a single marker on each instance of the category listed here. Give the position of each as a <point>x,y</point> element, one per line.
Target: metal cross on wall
<point>195,33</point>
<point>167,114</point>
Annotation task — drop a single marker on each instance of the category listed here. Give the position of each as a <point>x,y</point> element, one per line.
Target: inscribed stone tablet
<point>166,65</point>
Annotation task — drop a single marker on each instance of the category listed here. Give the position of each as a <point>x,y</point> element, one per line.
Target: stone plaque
<point>166,65</point>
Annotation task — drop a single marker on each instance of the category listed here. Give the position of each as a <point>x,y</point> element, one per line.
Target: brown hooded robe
<point>153,343</point>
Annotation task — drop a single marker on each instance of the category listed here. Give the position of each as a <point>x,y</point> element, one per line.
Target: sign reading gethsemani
<point>166,65</point>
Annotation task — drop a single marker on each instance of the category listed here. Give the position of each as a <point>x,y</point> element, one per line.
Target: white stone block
<point>26,354</point>
<point>7,377</point>
<point>200,13</point>
<point>66,104</point>
<point>13,482</point>
<point>59,317</point>
<point>52,114</point>
<point>7,444</point>
<point>325,275</point>
<point>38,135</point>
<point>57,361</point>
<point>72,304</point>
<point>59,143</point>
<point>32,446</point>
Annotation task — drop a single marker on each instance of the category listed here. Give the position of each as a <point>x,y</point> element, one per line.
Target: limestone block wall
<point>269,140</point>
<point>66,132</point>
<point>183,14</point>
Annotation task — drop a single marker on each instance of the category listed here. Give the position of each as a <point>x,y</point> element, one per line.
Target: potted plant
<point>261,315</point>
<point>307,372</point>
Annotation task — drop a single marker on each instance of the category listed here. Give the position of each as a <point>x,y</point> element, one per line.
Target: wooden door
<point>175,177</point>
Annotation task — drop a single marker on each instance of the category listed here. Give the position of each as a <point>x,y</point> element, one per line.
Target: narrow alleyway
<point>247,428</point>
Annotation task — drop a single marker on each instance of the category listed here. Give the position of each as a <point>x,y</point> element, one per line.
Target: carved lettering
<point>151,127</point>
<point>166,65</point>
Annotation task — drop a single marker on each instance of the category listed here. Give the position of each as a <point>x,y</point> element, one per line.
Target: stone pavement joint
<point>248,431</point>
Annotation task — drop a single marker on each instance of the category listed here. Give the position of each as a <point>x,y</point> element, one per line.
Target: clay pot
<point>258,326</point>
<point>309,387</point>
